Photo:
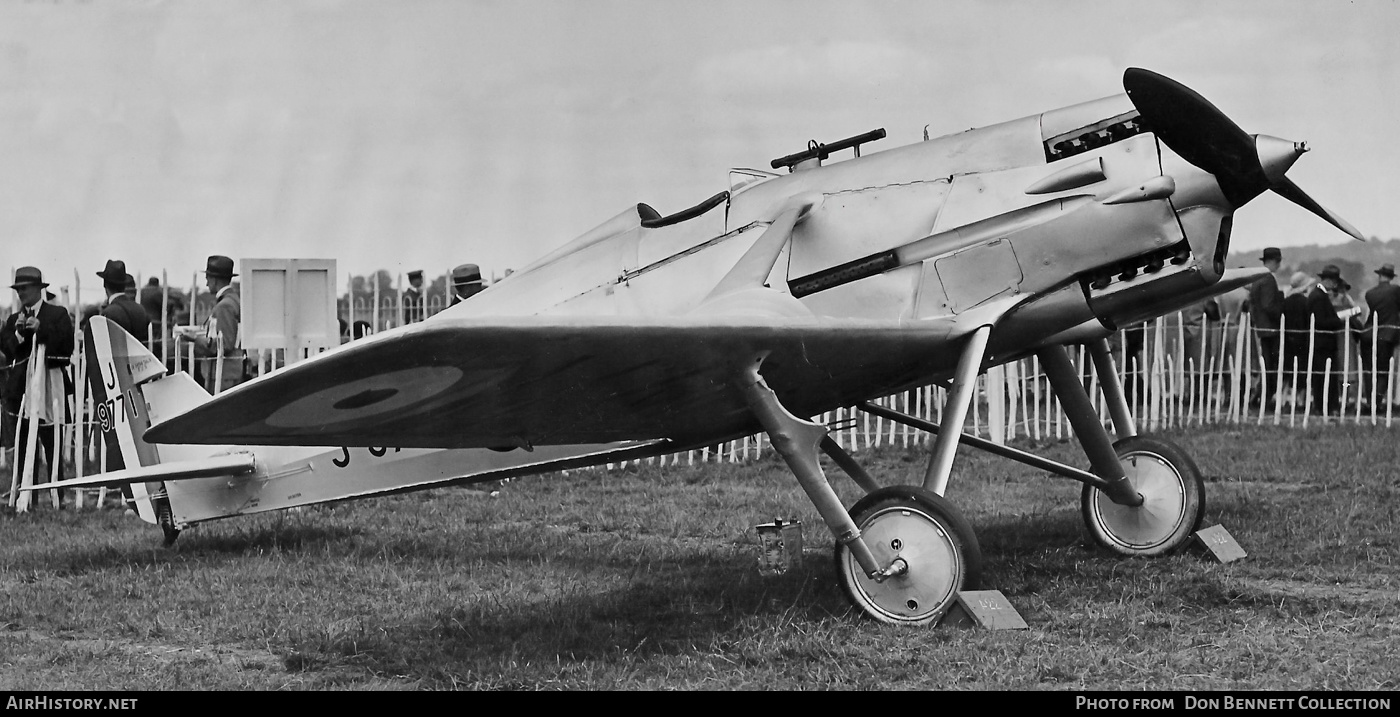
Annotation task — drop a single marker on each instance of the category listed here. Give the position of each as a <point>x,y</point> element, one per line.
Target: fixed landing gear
<point>929,546</point>
<point>904,553</point>
<point>1173,501</point>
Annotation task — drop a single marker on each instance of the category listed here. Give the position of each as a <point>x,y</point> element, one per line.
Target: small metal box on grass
<point>780,546</point>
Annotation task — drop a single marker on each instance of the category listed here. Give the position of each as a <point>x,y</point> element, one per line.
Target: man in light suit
<point>218,340</point>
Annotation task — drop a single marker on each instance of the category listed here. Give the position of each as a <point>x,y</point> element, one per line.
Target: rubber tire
<point>961,542</point>
<point>1179,488</point>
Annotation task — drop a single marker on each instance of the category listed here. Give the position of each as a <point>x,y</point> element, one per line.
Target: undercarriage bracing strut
<point>964,390</point>
<point>797,441</point>
<point>1098,446</point>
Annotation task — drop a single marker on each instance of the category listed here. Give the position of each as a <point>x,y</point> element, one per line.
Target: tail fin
<point>129,391</point>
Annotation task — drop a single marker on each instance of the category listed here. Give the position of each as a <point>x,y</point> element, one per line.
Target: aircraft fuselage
<point>1067,221</point>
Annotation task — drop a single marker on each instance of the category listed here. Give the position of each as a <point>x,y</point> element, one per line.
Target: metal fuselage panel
<point>955,224</point>
<point>289,477</point>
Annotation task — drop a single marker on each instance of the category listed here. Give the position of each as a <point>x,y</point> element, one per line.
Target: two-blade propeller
<point>1244,165</point>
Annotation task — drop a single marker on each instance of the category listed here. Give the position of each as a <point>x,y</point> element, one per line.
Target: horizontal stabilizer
<point>224,465</point>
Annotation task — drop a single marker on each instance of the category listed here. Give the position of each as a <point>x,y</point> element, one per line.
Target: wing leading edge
<point>465,383</point>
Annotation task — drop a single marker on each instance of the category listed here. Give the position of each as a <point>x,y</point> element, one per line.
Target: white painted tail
<point>130,391</point>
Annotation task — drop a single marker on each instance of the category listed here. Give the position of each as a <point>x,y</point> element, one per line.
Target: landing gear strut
<point>903,553</point>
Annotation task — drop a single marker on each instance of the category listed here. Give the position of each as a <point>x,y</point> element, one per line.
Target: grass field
<point>645,579</point>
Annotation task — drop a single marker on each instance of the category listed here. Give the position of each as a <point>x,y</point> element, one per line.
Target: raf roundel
<point>393,392</point>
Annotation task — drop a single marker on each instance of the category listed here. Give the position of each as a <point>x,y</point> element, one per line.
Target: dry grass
<point>645,579</point>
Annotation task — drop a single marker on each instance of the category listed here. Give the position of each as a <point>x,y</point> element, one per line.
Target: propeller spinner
<point>1243,164</point>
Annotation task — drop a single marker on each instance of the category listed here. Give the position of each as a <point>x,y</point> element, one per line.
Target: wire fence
<point>1175,373</point>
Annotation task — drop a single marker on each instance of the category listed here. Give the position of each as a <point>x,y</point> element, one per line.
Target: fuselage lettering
<point>344,460</point>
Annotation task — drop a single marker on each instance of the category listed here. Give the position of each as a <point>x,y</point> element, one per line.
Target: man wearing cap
<point>466,282</point>
<point>37,322</point>
<point>119,308</point>
<point>218,340</point>
<point>1327,325</point>
<point>1384,325</point>
<point>1265,309</point>
<point>413,308</point>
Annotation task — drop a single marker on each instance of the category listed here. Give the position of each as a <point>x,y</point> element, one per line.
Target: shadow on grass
<point>204,550</point>
<point>682,609</point>
<point>674,609</point>
<point>257,539</point>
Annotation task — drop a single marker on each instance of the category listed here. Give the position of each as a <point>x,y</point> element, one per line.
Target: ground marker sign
<point>1218,542</point>
<point>984,608</point>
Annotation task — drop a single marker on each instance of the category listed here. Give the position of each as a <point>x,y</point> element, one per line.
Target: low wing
<point>224,465</point>
<point>548,380</point>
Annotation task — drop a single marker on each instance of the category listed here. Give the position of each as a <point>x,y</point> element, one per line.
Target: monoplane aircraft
<point>831,284</point>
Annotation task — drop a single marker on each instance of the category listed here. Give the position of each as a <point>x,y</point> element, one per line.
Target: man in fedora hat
<point>413,308</point>
<point>1327,325</point>
<point>1383,325</point>
<point>119,308</point>
<point>466,282</point>
<point>218,342</point>
<point>1265,309</point>
<point>37,323</point>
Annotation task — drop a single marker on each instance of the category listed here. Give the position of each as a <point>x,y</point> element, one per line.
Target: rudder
<point>121,371</point>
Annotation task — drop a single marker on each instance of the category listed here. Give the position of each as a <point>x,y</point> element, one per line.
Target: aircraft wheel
<point>1172,507</point>
<point>932,537</point>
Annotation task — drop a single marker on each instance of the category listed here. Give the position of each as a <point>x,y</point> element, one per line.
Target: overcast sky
<point>405,134</point>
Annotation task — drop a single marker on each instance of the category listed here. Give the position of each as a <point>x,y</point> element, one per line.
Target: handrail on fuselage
<point>652,219</point>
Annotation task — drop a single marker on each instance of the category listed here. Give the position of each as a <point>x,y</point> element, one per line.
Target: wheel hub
<point>1163,504</point>
<point>933,564</point>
